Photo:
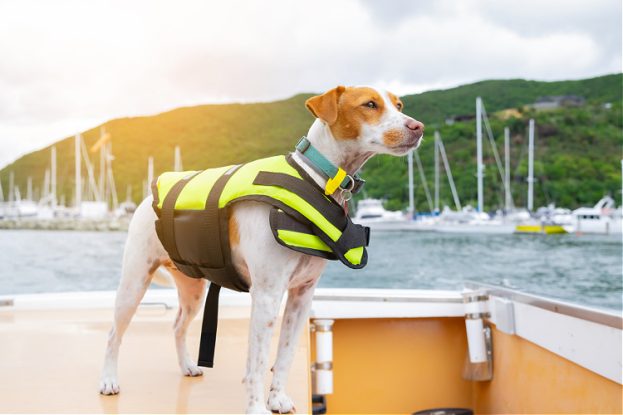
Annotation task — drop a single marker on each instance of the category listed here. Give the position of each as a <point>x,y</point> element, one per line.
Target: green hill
<point>578,150</point>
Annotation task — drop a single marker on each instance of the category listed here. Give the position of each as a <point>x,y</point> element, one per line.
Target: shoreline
<point>68,224</point>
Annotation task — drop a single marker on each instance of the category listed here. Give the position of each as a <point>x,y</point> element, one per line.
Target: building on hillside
<point>558,101</point>
<point>459,118</point>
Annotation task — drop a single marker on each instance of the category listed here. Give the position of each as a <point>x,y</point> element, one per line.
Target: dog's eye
<point>371,104</point>
<point>399,106</point>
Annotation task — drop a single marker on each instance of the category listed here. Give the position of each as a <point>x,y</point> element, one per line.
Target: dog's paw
<point>280,403</point>
<point>109,386</point>
<point>258,409</point>
<point>191,369</point>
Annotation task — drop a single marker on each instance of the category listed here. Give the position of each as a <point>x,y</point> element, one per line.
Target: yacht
<point>602,218</point>
<point>370,212</point>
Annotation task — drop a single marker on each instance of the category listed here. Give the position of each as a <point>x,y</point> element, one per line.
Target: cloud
<point>67,65</point>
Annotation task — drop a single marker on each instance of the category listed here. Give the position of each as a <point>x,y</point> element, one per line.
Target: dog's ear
<point>325,106</point>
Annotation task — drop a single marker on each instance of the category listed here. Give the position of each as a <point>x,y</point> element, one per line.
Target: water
<point>582,269</point>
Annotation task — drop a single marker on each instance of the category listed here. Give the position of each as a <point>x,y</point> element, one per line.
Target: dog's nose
<point>414,125</point>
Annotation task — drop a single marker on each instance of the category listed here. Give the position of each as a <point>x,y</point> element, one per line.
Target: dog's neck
<point>342,153</point>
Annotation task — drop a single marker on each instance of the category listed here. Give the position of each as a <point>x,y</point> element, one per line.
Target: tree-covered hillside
<point>578,150</point>
<point>577,160</point>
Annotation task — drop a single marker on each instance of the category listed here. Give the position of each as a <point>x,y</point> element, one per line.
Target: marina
<point>101,209</point>
<point>603,218</point>
<point>350,207</point>
<point>470,308</point>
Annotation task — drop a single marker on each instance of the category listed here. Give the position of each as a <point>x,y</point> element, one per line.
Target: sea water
<point>584,269</point>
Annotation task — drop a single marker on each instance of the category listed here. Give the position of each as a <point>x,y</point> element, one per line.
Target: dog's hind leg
<point>296,313</point>
<point>264,311</point>
<point>141,256</point>
<point>191,292</point>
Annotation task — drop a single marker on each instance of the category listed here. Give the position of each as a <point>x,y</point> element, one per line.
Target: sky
<point>67,66</point>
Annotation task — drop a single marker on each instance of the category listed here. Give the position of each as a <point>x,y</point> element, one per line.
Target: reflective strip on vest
<point>302,240</point>
<point>240,185</point>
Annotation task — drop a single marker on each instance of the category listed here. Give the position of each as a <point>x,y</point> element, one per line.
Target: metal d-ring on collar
<point>350,184</point>
<point>347,193</point>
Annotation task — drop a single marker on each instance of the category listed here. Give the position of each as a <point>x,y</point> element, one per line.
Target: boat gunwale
<point>387,299</point>
<point>594,315</point>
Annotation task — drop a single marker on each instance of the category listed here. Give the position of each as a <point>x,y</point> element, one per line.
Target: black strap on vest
<point>209,327</point>
<point>353,235</point>
<point>329,209</point>
<point>213,249</point>
<point>166,216</point>
<point>210,222</point>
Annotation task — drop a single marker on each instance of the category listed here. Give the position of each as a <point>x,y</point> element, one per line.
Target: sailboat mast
<point>29,188</point>
<point>150,175</point>
<point>46,186</point>
<point>177,164</point>
<point>11,187</point>
<point>102,190</point>
<point>446,164</point>
<point>423,179</point>
<point>411,200</point>
<point>531,165</point>
<point>111,187</point>
<point>479,165</point>
<point>78,171</point>
<point>436,171</point>
<point>507,171</point>
<point>53,177</point>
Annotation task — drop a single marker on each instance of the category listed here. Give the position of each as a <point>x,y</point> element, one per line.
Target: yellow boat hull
<point>541,229</point>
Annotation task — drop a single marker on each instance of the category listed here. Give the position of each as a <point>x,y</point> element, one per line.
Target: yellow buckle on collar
<point>334,182</point>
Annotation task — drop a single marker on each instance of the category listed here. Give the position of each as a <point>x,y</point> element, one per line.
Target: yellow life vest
<point>193,211</point>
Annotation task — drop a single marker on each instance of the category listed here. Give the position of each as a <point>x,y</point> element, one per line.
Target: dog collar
<point>336,176</point>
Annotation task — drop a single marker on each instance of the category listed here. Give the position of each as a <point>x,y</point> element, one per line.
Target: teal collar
<point>335,176</point>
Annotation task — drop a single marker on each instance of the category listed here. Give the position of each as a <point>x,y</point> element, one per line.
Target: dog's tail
<point>163,277</point>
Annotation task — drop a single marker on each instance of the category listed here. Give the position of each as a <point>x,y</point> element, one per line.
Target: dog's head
<point>374,118</point>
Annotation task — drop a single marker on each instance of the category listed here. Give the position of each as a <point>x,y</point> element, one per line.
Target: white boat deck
<point>51,357</point>
<point>52,345</point>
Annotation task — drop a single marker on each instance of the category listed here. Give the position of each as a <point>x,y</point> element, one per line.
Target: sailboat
<point>468,219</point>
<point>545,223</point>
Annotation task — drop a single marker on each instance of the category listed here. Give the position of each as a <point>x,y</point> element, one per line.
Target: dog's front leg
<point>296,313</point>
<point>264,311</point>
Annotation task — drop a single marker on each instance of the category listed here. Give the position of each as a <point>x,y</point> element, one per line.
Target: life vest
<point>193,211</point>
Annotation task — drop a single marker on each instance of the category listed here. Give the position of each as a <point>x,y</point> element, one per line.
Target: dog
<point>352,124</point>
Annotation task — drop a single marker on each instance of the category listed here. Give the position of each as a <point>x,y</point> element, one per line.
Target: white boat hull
<point>494,228</point>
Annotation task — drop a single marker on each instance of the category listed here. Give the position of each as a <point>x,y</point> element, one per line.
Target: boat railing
<point>595,315</point>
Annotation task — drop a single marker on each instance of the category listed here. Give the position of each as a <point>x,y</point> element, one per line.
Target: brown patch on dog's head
<point>395,101</point>
<point>357,106</point>
<point>325,106</point>
<point>346,109</point>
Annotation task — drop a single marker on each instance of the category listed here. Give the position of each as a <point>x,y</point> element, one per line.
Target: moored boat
<point>370,212</point>
<point>540,228</point>
<point>603,218</point>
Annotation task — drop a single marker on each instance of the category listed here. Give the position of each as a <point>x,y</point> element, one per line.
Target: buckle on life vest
<point>334,182</point>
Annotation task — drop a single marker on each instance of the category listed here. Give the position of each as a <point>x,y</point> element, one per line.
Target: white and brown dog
<point>352,125</point>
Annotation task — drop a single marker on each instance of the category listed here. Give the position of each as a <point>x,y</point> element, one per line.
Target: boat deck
<point>50,361</point>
